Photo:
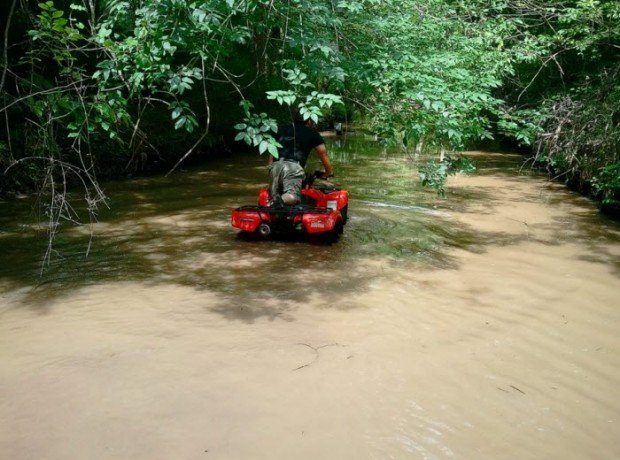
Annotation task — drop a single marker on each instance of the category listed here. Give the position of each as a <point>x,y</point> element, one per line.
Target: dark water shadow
<point>176,230</point>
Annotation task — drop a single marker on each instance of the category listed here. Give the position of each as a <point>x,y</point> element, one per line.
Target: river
<point>481,326</point>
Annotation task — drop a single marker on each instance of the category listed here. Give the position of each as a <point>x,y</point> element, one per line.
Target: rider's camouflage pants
<point>286,177</point>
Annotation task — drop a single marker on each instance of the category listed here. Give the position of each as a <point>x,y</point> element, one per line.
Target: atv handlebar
<point>318,174</point>
<point>311,177</point>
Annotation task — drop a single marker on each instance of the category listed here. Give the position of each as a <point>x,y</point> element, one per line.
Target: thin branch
<point>188,153</point>
<point>57,89</point>
<point>553,57</point>
<point>224,72</point>
<point>204,92</point>
<point>8,136</point>
<point>6,45</point>
<point>206,99</point>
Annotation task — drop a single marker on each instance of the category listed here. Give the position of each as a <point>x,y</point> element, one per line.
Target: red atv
<point>321,213</point>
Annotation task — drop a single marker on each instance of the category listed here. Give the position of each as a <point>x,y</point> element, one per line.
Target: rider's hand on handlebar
<point>321,175</point>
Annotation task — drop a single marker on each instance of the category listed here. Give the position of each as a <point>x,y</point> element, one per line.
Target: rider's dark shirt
<point>297,141</point>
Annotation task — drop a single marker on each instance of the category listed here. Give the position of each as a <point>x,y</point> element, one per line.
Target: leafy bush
<point>435,174</point>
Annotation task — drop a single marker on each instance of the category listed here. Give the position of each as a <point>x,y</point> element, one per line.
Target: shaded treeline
<point>117,87</point>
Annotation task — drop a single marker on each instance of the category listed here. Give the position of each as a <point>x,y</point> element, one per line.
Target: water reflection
<point>177,230</point>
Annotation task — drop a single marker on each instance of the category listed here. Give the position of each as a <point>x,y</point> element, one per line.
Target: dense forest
<point>109,88</point>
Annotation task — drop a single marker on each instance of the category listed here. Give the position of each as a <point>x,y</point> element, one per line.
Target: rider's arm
<point>321,151</point>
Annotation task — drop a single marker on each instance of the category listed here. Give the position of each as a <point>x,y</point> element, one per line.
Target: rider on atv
<point>286,173</point>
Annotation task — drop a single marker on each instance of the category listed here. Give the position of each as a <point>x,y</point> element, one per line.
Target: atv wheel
<point>264,230</point>
<point>344,212</point>
<point>333,236</point>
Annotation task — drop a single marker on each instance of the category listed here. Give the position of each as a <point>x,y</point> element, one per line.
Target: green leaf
<point>180,122</point>
<point>264,145</point>
<point>273,150</point>
<point>104,32</point>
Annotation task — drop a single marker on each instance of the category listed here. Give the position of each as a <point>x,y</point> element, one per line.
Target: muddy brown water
<point>483,326</point>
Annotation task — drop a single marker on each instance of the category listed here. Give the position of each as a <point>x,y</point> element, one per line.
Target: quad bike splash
<point>321,214</point>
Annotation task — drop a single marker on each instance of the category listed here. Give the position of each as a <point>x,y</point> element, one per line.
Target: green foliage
<point>523,125</point>
<point>581,134</point>
<point>435,174</point>
<point>311,105</point>
<point>428,73</point>
<point>606,184</point>
<point>130,82</point>
<point>255,131</point>
<point>183,116</point>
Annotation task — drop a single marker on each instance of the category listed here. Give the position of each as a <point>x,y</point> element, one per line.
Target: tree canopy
<point>91,87</point>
